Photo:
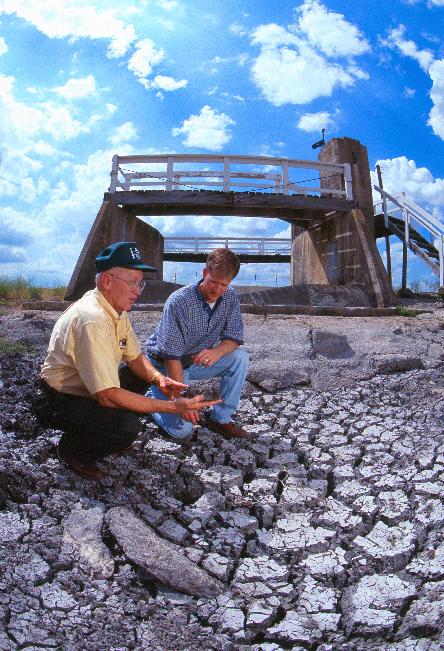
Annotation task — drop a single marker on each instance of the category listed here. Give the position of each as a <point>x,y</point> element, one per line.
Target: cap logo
<point>135,253</point>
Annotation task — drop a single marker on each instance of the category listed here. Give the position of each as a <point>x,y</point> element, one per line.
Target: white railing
<point>413,215</point>
<point>251,245</point>
<point>229,173</point>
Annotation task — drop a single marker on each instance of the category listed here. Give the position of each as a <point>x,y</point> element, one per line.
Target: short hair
<point>224,262</point>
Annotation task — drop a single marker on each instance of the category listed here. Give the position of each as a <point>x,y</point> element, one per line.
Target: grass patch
<point>18,289</point>
<point>9,347</point>
<point>401,310</point>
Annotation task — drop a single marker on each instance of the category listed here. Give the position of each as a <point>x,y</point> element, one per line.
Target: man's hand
<point>189,408</point>
<point>170,388</point>
<point>192,417</point>
<point>207,357</point>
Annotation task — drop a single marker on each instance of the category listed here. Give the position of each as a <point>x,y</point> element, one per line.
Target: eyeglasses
<point>141,284</point>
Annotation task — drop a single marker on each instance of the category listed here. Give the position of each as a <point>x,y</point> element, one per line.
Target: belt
<point>186,359</point>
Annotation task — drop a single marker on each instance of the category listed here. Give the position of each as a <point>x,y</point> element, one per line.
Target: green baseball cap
<point>121,254</point>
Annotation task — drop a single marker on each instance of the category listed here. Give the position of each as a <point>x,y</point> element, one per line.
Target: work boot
<point>88,471</point>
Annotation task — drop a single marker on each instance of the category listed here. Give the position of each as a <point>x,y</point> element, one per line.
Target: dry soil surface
<point>323,530</point>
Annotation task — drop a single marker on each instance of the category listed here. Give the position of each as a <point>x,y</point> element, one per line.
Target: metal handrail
<point>168,175</point>
<point>257,245</point>
<point>410,211</point>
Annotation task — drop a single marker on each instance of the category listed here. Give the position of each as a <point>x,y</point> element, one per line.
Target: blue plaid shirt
<point>189,324</point>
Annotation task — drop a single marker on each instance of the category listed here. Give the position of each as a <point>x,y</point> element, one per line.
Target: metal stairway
<point>402,217</point>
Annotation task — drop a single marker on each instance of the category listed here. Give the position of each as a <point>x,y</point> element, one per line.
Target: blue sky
<point>83,80</point>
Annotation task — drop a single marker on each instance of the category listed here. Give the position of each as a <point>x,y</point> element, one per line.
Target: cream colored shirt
<point>87,345</point>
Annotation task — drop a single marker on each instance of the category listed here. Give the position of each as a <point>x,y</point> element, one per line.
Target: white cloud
<point>237,29</point>
<point>29,132</point>
<point>145,58</point>
<point>330,32</point>
<point>436,117</point>
<point>41,148</point>
<point>297,76</point>
<point>239,59</point>
<point>312,122</point>
<point>168,5</point>
<point>123,134</point>
<point>17,229</point>
<point>26,121</point>
<point>409,92</point>
<point>402,175</point>
<point>3,46</point>
<point>208,130</point>
<point>409,48</point>
<point>435,69</point>
<point>77,88</point>
<point>294,66</point>
<point>238,98</point>
<point>168,83</point>
<point>11,254</point>
<point>74,19</point>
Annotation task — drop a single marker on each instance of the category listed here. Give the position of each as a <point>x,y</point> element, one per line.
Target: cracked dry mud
<point>323,531</point>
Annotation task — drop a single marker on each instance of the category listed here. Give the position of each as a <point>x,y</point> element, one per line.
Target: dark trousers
<point>90,431</point>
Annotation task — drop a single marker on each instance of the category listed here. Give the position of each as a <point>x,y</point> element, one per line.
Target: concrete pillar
<point>348,150</point>
<point>115,224</point>
<point>342,250</point>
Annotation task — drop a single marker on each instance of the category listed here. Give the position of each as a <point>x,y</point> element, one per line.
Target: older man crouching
<point>80,375</point>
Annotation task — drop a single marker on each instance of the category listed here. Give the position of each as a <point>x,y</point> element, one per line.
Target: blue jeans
<point>231,369</point>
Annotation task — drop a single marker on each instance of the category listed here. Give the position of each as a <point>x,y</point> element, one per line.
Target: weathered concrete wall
<point>115,224</point>
<point>342,250</point>
<point>348,150</point>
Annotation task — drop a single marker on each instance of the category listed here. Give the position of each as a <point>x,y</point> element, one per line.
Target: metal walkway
<point>297,191</point>
<point>249,249</point>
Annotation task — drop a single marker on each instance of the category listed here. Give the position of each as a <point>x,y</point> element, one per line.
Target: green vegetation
<point>401,310</point>
<point>18,289</point>
<point>8,347</point>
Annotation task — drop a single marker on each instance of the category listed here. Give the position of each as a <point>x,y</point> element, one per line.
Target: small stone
<point>54,596</point>
<point>338,514</point>
<point>391,546</point>
<point>228,616</point>
<point>427,612</point>
<point>218,566</point>
<point>365,505</point>
<point>429,564</point>
<point>326,565</point>
<point>241,520</point>
<point>26,629</point>
<point>370,606</point>
<point>316,598</point>
<point>205,507</point>
<point>349,490</point>
<point>295,627</point>
<point>34,569</point>
<point>394,506</point>
<point>12,526</point>
<point>173,531</point>
<point>153,516</point>
<point>262,613</point>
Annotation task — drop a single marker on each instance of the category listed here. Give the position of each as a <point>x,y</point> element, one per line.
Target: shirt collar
<point>106,306</point>
<point>198,292</point>
<point>201,298</point>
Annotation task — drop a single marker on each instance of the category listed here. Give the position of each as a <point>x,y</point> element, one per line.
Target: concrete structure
<point>114,224</point>
<point>333,238</point>
<point>342,250</point>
